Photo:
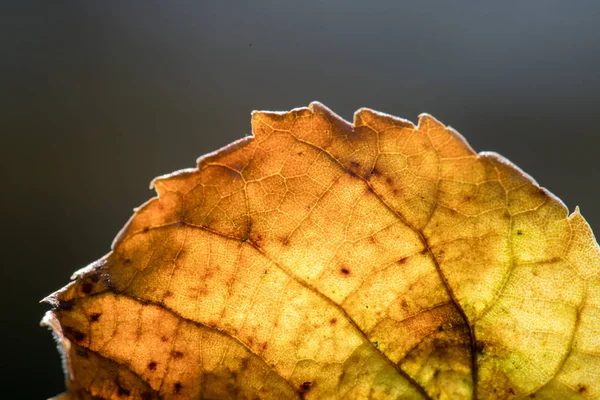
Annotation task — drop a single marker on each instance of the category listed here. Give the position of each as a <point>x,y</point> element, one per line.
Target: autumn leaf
<point>325,260</point>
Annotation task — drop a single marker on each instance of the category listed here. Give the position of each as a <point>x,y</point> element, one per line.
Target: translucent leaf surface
<point>320,259</point>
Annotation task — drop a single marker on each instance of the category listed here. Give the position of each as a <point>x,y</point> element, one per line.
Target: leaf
<point>319,259</point>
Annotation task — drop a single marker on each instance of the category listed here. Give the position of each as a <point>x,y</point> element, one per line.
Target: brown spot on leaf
<point>121,392</point>
<point>65,305</point>
<point>480,347</point>
<point>152,365</point>
<point>74,334</point>
<point>87,287</point>
<point>305,387</point>
<point>176,354</point>
<point>177,387</point>
<point>345,271</point>
<point>95,316</point>
<point>82,353</point>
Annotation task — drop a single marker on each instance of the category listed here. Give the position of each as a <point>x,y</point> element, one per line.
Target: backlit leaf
<point>320,259</point>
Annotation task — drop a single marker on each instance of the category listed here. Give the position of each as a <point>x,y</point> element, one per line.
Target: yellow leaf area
<point>320,259</point>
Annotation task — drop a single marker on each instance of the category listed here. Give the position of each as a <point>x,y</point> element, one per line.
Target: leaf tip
<point>368,117</point>
<point>267,120</point>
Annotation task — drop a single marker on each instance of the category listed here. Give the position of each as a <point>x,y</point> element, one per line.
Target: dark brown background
<point>97,98</point>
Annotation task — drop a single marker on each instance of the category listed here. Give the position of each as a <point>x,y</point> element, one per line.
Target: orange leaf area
<point>320,259</point>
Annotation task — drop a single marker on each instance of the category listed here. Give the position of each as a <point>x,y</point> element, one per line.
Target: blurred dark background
<point>97,98</point>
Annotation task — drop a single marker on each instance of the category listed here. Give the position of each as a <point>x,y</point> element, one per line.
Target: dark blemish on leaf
<point>176,354</point>
<point>82,353</point>
<point>152,365</point>
<point>440,344</point>
<point>375,172</point>
<point>78,336</point>
<point>300,153</point>
<point>511,391</point>
<point>123,392</point>
<point>305,387</point>
<point>264,346</point>
<point>87,287</point>
<point>256,239</point>
<point>402,261</point>
<point>248,232</point>
<point>404,303</point>
<point>333,321</point>
<point>480,347</point>
<point>345,271</point>
<point>164,338</point>
<point>95,316</point>
<point>284,240</point>
<point>65,305</point>
<point>583,389</point>
<point>354,164</point>
<point>126,261</point>
<point>376,344</point>
<point>424,252</point>
<point>389,180</point>
<point>177,387</point>
<point>168,293</point>
<point>146,229</point>
<point>519,232</point>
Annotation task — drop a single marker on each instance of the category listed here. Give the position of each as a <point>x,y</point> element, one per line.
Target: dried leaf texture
<point>325,260</point>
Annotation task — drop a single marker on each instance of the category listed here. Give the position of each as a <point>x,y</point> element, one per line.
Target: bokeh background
<point>99,97</point>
